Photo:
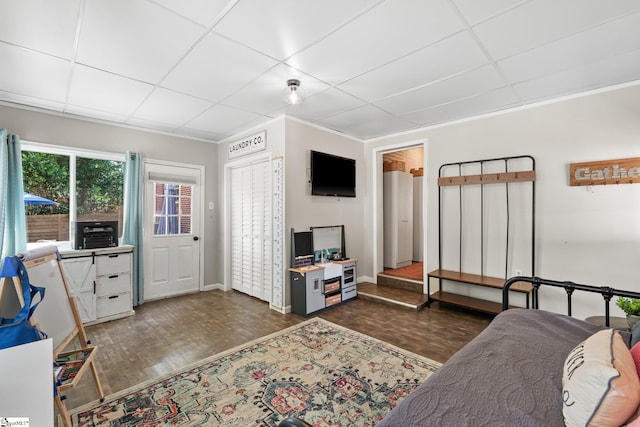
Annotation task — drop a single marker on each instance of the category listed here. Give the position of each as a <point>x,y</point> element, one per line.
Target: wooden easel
<point>51,316</point>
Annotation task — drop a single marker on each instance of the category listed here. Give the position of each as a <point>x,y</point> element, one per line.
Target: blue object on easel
<point>19,330</point>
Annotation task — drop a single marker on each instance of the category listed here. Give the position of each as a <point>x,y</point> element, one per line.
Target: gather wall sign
<point>603,172</point>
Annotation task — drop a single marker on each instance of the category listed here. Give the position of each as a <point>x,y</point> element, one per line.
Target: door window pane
<point>173,208</point>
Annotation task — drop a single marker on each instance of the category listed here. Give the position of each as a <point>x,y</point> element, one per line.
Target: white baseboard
<point>214,286</point>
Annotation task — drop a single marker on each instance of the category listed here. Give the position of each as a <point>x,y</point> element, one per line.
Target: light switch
<point>210,205</point>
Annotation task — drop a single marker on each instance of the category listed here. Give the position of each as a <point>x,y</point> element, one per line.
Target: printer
<point>94,234</point>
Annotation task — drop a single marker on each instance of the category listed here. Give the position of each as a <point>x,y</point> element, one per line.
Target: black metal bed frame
<point>569,287</point>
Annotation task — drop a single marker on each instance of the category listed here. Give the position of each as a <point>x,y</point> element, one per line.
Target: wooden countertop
<point>307,268</point>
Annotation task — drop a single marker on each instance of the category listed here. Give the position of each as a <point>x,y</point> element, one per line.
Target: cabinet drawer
<point>331,287</point>
<point>114,263</point>
<point>348,293</point>
<point>113,284</point>
<point>114,304</point>
<point>332,300</point>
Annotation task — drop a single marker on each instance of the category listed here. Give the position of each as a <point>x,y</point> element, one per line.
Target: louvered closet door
<point>251,239</point>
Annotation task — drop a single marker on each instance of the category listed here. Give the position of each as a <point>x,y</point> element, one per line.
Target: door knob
<point>195,238</point>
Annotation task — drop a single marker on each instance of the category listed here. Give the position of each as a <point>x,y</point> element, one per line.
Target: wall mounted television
<point>332,175</point>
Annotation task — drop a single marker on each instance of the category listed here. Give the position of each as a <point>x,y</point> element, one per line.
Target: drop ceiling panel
<point>464,85</point>
<point>422,67</point>
<point>144,43</point>
<point>377,128</point>
<point>216,68</point>
<point>41,25</point>
<point>171,108</point>
<point>28,73</point>
<point>536,23</point>
<point>320,105</point>
<point>98,90</point>
<point>282,28</point>
<point>353,119</point>
<point>266,93</point>
<point>613,38</point>
<point>619,69</point>
<point>386,32</point>
<point>475,11</point>
<point>209,68</point>
<point>473,106</point>
<point>204,12</point>
<point>221,119</point>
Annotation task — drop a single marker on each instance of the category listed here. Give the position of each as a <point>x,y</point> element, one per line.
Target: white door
<point>251,230</point>
<point>171,230</point>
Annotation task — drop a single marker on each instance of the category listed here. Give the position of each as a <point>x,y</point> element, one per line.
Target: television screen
<point>332,175</point>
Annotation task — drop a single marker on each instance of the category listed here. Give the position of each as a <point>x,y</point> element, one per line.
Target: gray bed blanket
<point>509,375</point>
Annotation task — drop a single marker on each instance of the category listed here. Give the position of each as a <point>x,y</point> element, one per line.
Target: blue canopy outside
<point>32,200</point>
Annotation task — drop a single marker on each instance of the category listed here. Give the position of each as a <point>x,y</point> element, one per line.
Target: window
<point>172,209</point>
<point>66,185</point>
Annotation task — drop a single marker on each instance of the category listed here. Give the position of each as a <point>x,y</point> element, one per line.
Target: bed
<point>513,372</point>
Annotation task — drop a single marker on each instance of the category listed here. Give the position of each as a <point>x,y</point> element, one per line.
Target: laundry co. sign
<point>250,144</point>
<point>622,171</point>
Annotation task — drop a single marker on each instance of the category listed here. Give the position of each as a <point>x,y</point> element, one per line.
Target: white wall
<point>69,132</point>
<point>304,210</point>
<point>590,237</point>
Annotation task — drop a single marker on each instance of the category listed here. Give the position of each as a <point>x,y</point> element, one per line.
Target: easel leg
<point>62,409</point>
<point>94,371</point>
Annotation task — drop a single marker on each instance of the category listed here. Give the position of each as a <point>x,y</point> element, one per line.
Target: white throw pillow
<point>600,385</point>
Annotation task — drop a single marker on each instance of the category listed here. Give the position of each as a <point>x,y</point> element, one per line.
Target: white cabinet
<point>398,219</point>
<point>113,284</point>
<point>81,278</point>
<point>100,279</point>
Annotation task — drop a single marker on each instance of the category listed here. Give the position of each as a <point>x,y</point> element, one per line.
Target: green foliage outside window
<point>99,183</point>
<point>46,175</point>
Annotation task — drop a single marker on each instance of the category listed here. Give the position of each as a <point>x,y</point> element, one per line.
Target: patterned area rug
<point>318,371</point>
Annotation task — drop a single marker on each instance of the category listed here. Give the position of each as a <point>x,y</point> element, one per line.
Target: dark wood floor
<point>166,335</point>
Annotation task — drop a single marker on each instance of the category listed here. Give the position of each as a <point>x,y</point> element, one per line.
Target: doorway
<point>402,211</point>
<point>251,227</point>
<point>172,223</point>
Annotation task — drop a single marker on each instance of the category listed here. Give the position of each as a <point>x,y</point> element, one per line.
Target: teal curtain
<point>133,219</point>
<point>13,224</point>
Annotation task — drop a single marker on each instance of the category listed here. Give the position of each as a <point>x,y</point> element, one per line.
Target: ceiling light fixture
<point>293,94</point>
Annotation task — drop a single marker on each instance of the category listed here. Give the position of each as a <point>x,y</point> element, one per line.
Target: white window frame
<point>73,154</point>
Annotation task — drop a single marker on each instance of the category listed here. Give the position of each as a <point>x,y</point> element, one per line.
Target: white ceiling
<point>212,68</point>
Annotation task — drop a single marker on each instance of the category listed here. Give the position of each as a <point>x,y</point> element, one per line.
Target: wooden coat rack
<point>507,176</point>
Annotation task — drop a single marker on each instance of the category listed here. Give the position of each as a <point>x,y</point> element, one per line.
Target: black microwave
<point>94,234</point>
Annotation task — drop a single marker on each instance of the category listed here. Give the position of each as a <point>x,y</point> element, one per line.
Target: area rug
<point>412,271</point>
<point>318,371</point>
